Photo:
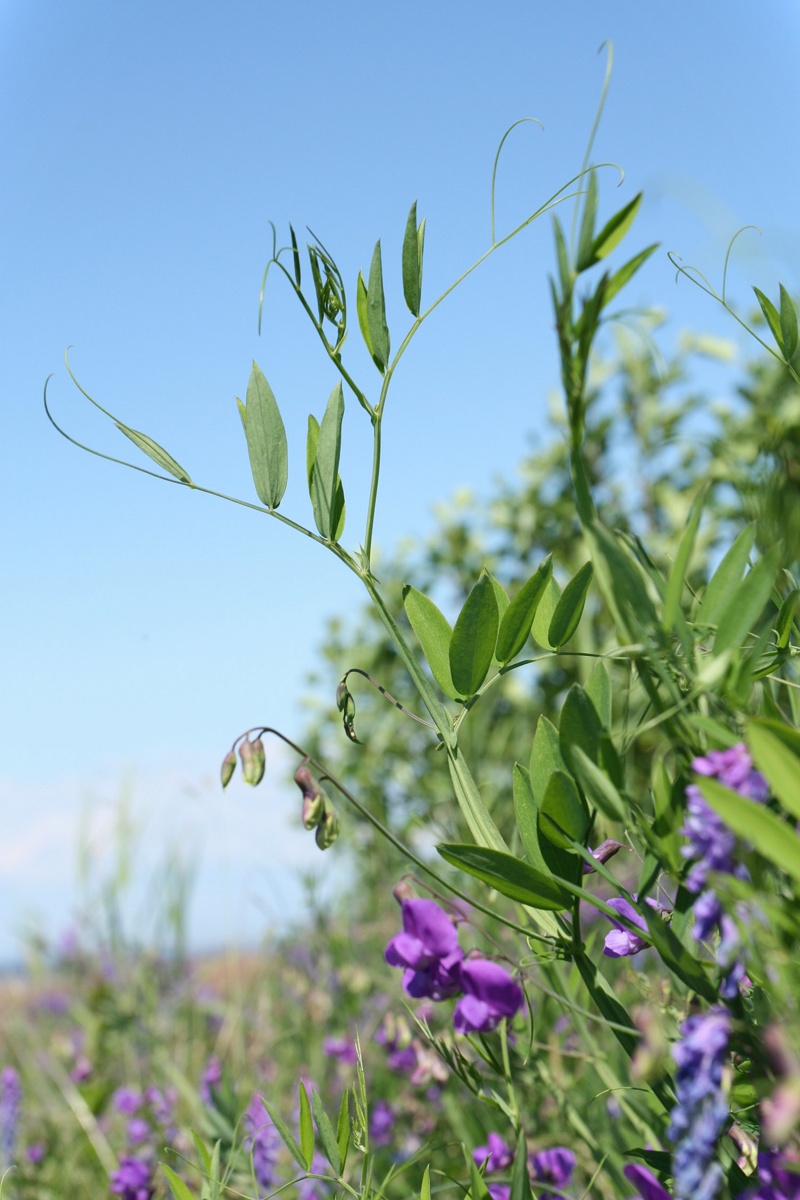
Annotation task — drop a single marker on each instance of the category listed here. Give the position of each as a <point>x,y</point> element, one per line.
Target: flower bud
<point>253,761</point>
<point>347,707</point>
<point>328,828</point>
<point>227,768</point>
<point>313,797</point>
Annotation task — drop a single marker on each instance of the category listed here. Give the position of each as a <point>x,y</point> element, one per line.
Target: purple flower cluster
<point>133,1179</point>
<point>776,1179</point>
<point>553,1167</point>
<point>645,1182</point>
<point>10,1104</point>
<point>434,966</point>
<point>622,942</point>
<point>263,1141</point>
<point>701,1109</point>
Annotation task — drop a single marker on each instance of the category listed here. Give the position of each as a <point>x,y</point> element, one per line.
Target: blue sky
<point>145,149</point>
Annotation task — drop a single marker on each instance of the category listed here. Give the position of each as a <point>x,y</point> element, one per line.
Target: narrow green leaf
<point>564,274</point>
<point>674,955</point>
<point>788,325</point>
<point>597,787</point>
<point>621,582</point>
<point>478,1189</point>
<point>520,1183</point>
<point>563,815</point>
<point>306,1127</point>
<point>506,874</point>
<point>772,316</point>
<point>433,633</point>
<point>680,565</point>
<point>157,453</point>
<point>376,311</point>
<point>474,638</point>
<point>609,1006</point>
<point>776,761</point>
<point>598,689</point>
<point>478,818</point>
<point>785,618</point>
<point>548,602</point>
<point>343,1128</point>
<point>746,603</point>
<point>569,609</point>
<point>526,812</point>
<point>266,440</point>
<point>586,235</point>
<point>727,575</point>
<point>177,1186</point>
<point>325,473</point>
<point>546,757</point>
<point>242,415</point>
<point>318,289</point>
<point>614,230</point>
<point>579,725</point>
<point>339,508</point>
<point>361,311</point>
<point>516,622</point>
<point>412,262</point>
<point>768,834</point>
<point>295,257</point>
<point>425,1187</point>
<point>202,1150</point>
<point>618,280</point>
<point>286,1137</point>
<point>327,1137</point>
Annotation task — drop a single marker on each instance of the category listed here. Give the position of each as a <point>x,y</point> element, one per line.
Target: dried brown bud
<point>227,768</point>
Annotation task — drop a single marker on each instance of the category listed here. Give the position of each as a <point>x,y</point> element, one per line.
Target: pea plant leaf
<point>768,834</point>
<point>726,577</point>
<point>306,1127</point>
<point>506,874</point>
<point>324,473</point>
<point>788,320</point>
<point>266,440</point>
<point>569,609</point>
<point>157,453</point>
<point>517,620</point>
<point>434,635</point>
<point>474,638</point>
<point>746,603</point>
<point>413,245</point>
<point>376,312</point>
<point>772,317</point>
<point>777,757</point>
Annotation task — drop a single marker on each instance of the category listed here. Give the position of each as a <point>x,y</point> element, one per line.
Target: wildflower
<point>551,1166</point>
<point>132,1180</point>
<point>127,1100</point>
<point>381,1123</point>
<point>342,1049</point>
<point>262,1140</point>
<point>701,1109</point>
<point>622,942</point>
<point>497,1154</point>
<point>603,853</point>
<point>776,1179</point>
<point>645,1182</point>
<point>35,1153</point>
<point>711,845</point>
<point>428,949</point>
<point>491,995</point>
<point>212,1076</point>
<point>10,1102</point>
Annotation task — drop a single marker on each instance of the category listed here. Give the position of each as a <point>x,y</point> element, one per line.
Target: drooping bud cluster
<point>347,707</point>
<point>318,811</point>
<point>253,761</point>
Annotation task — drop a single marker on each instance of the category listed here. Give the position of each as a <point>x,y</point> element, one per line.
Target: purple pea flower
<point>701,1109</point>
<point>491,994</point>
<point>428,949</point>
<point>138,1131</point>
<point>35,1153</point>
<point>776,1180</point>
<point>552,1166</point>
<point>712,846</point>
<point>342,1049</point>
<point>381,1123</point>
<point>622,942</point>
<point>497,1154</point>
<point>10,1104</point>
<point>211,1077</point>
<point>132,1180</point>
<point>263,1141</point>
<point>645,1182</point>
<point>127,1100</point>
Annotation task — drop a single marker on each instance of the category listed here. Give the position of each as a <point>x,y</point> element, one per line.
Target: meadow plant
<point>668,726</point>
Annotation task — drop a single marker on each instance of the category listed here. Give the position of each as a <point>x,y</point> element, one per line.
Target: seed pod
<point>313,797</point>
<point>253,761</point>
<point>328,828</point>
<point>227,768</point>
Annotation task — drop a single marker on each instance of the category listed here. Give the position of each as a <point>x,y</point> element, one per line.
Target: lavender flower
<point>262,1140</point>
<point>701,1109</point>
<point>132,1180</point>
<point>127,1100</point>
<point>428,949</point>
<point>491,995</point>
<point>776,1179</point>
<point>645,1182</point>
<point>623,942</point>
<point>10,1102</point>
<point>138,1131</point>
<point>497,1154</point>
<point>342,1049</point>
<point>381,1123</point>
<point>552,1166</point>
<point>211,1077</point>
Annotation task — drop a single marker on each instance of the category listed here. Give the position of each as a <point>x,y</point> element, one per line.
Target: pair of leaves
<point>371,309</point>
<point>413,246</point>
<point>592,249</point>
<point>782,321</point>
<point>334,1144</point>
<point>745,603</point>
<point>323,448</point>
<point>266,439</point>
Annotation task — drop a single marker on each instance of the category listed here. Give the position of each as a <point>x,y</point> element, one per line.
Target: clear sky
<point>145,147</point>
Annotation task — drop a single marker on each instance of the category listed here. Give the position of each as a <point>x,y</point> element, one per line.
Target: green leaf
<point>376,311</point>
<point>769,835</point>
<point>598,689</point>
<point>785,618</point>
<point>242,415</point>
<point>746,603</point>
<point>474,638</point>
<point>343,1128</point>
<point>621,582</point>
<point>526,812</point>
<point>425,1187</point>
<point>177,1186</point>
<point>361,311</point>
<point>773,317</point>
<point>340,509</point>
<point>306,1127</point>
<point>680,565</point>
<point>506,874</point>
<point>579,726</point>
<point>586,236</point>
<point>614,230</point>
<point>727,575</point>
<point>546,607</point>
<point>674,955</point>
<point>286,1137</point>
<point>562,258</point>
<point>202,1150</point>
<point>434,634</point>
<point>327,1137</point>
<point>517,620</point>
<point>413,243</point>
<point>609,1006</point>
<point>520,1183</point>
<point>563,816</point>
<point>569,609</point>
<point>325,480</point>
<point>788,320</point>
<point>266,440</point>
<point>546,756</point>
<point>597,786</point>
<point>618,280</point>
<point>776,753</point>
<point>157,453</point>
<point>295,257</point>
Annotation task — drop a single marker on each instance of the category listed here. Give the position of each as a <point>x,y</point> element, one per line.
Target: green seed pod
<point>253,761</point>
<point>328,828</point>
<point>227,768</point>
<point>313,797</point>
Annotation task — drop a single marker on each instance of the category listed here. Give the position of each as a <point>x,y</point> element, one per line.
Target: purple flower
<point>734,769</point>
<point>776,1180</point>
<point>211,1077</point>
<point>428,949</point>
<point>712,846</point>
<point>381,1123</point>
<point>603,853</point>
<point>132,1179</point>
<point>622,942</point>
<point>552,1166</point>
<point>341,1049</point>
<point>497,1154</point>
<point>701,1109</point>
<point>10,1103</point>
<point>263,1141</point>
<point>645,1182</point>
<point>138,1131</point>
<point>491,994</point>
<point>35,1153</point>
<point>127,1100</point>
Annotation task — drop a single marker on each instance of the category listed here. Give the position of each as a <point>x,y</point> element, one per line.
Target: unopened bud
<point>227,768</point>
<point>328,828</point>
<point>347,707</point>
<point>603,853</point>
<point>403,891</point>
<point>253,761</point>
<point>313,797</point>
